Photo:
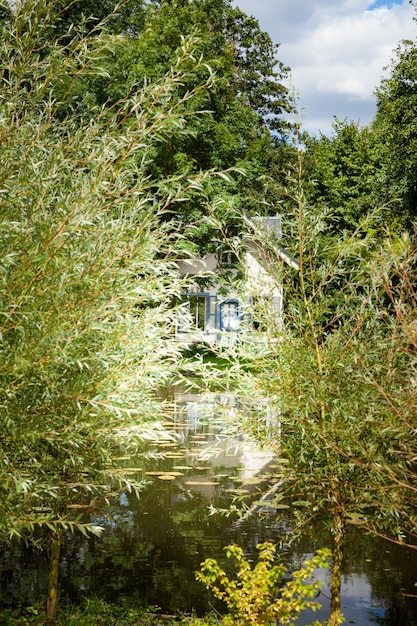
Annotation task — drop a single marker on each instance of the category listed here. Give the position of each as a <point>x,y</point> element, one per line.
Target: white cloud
<point>337,51</point>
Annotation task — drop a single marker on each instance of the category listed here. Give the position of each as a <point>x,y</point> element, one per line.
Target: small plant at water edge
<point>259,595</point>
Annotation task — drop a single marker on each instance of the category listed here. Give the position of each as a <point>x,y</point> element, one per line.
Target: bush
<point>259,595</point>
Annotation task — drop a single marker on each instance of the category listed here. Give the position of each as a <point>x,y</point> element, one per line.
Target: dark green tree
<point>246,103</point>
<point>342,170</point>
<point>118,16</point>
<point>395,129</point>
<point>258,74</point>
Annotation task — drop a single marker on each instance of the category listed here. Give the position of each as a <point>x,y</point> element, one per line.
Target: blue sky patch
<point>384,3</point>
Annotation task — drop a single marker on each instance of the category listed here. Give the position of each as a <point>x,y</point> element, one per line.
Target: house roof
<point>269,231</point>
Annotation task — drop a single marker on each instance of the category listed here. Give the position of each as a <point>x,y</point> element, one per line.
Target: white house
<point>209,314</point>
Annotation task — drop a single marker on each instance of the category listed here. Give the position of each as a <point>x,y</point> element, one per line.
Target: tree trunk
<point>53,574</point>
<point>338,546</point>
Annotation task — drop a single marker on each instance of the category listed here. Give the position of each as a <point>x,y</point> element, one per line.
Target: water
<point>153,544</point>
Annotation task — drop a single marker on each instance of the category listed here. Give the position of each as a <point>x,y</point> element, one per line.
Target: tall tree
<point>86,275</point>
<point>118,16</point>
<point>336,373</point>
<point>395,129</point>
<point>258,74</point>
<point>342,170</point>
<point>246,103</point>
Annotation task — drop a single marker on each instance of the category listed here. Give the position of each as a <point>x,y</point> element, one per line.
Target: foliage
<point>395,131</point>
<point>391,372</point>
<point>259,595</point>
<point>86,288</point>
<point>246,55</point>
<point>88,283</point>
<point>258,73</point>
<point>93,611</point>
<point>342,169</point>
<point>120,16</point>
<point>107,150</point>
<point>334,369</point>
<point>246,100</point>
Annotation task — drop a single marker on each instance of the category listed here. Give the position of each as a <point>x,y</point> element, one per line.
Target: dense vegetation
<point>132,134</point>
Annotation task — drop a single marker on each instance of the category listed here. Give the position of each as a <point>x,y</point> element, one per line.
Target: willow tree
<point>87,283</point>
<point>335,369</point>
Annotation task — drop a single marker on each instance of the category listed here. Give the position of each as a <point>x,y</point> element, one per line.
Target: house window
<point>225,259</point>
<point>198,311</point>
<point>229,315</point>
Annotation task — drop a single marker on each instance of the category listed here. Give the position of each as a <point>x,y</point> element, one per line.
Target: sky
<point>337,51</point>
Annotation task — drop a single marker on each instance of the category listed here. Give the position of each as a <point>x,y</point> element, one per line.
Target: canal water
<point>154,543</point>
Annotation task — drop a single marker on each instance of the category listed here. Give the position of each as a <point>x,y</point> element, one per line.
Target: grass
<point>96,612</point>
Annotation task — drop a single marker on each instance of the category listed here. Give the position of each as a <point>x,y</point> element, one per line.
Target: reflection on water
<point>153,544</point>
<point>208,429</point>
